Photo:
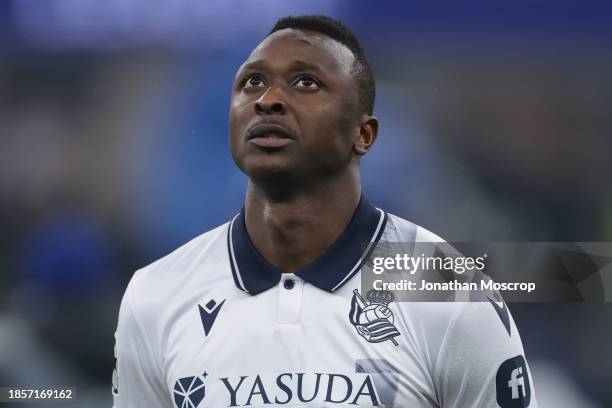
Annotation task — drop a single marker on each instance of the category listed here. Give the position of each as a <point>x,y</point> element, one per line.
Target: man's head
<point>302,103</point>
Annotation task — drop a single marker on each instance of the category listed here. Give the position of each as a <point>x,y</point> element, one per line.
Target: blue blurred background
<point>496,124</point>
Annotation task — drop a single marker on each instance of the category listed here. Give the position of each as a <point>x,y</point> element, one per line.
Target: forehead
<point>291,45</point>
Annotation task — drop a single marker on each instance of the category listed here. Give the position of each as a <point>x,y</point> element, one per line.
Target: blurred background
<point>496,124</point>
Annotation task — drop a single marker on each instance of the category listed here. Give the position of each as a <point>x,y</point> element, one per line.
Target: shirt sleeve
<point>481,362</point>
<point>137,380</point>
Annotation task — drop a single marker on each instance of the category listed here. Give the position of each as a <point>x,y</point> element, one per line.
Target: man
<point>266,310</point>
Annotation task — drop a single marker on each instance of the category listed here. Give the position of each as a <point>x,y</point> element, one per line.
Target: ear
<point>368,130</point>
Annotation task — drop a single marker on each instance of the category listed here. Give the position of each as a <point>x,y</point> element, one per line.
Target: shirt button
<point>289,284</point>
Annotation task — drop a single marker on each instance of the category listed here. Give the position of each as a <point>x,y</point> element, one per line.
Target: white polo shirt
<point>213,324</point>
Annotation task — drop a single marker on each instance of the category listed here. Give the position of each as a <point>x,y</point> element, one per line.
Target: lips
<point>270,135</point>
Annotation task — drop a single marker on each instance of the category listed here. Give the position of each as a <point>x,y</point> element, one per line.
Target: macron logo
<point>209,313</point>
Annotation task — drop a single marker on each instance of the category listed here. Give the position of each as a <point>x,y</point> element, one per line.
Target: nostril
<point>269,108</point>
<point>277,107</point>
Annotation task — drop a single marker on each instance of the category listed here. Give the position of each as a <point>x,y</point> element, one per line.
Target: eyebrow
<point>301,65</point>
<point>296,65</point>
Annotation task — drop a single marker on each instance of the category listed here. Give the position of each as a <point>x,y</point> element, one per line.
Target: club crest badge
<point>372,317</point>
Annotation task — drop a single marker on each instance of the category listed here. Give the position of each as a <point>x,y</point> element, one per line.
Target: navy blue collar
<point>253,274</point>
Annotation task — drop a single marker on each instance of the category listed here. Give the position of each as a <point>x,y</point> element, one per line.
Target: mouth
<point>270,135</point>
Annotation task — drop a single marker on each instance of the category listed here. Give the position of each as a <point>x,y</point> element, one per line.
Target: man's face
<point>294,110</point>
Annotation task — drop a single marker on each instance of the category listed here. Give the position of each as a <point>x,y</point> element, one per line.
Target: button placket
<point>290,299</point>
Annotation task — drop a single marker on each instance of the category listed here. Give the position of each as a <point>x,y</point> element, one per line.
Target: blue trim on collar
<point>336,266</point>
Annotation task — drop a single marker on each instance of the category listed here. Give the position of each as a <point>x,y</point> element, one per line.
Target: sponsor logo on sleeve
<point>512,383</point>
<point>115,387</point>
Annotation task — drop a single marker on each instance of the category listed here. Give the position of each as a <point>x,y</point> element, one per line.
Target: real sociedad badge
<point>372,318</point>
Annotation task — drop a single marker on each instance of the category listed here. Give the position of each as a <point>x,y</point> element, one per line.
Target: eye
<point>307,82</point>
<point>253,81</point>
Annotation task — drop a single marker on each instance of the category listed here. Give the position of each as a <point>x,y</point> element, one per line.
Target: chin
<point>267,167</point>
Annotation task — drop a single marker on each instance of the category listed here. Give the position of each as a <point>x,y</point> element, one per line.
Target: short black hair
<point>336,30</point>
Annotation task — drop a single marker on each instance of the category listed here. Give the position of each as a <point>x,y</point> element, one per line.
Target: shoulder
<point>445,323</point>
<point>401,230</point>
<point>186,254</point>
<point>154,287</point>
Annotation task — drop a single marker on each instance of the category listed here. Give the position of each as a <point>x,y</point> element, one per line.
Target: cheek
<point>238,115</point>
<point>332,127</point>
<point>236,108</point>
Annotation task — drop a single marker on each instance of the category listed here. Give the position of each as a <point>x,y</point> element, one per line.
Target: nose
<point>270,103</point>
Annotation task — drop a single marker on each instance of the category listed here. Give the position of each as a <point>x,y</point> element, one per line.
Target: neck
<point>292,230</point>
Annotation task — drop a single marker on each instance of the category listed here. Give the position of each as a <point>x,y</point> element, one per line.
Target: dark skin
<point>298,132</point>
